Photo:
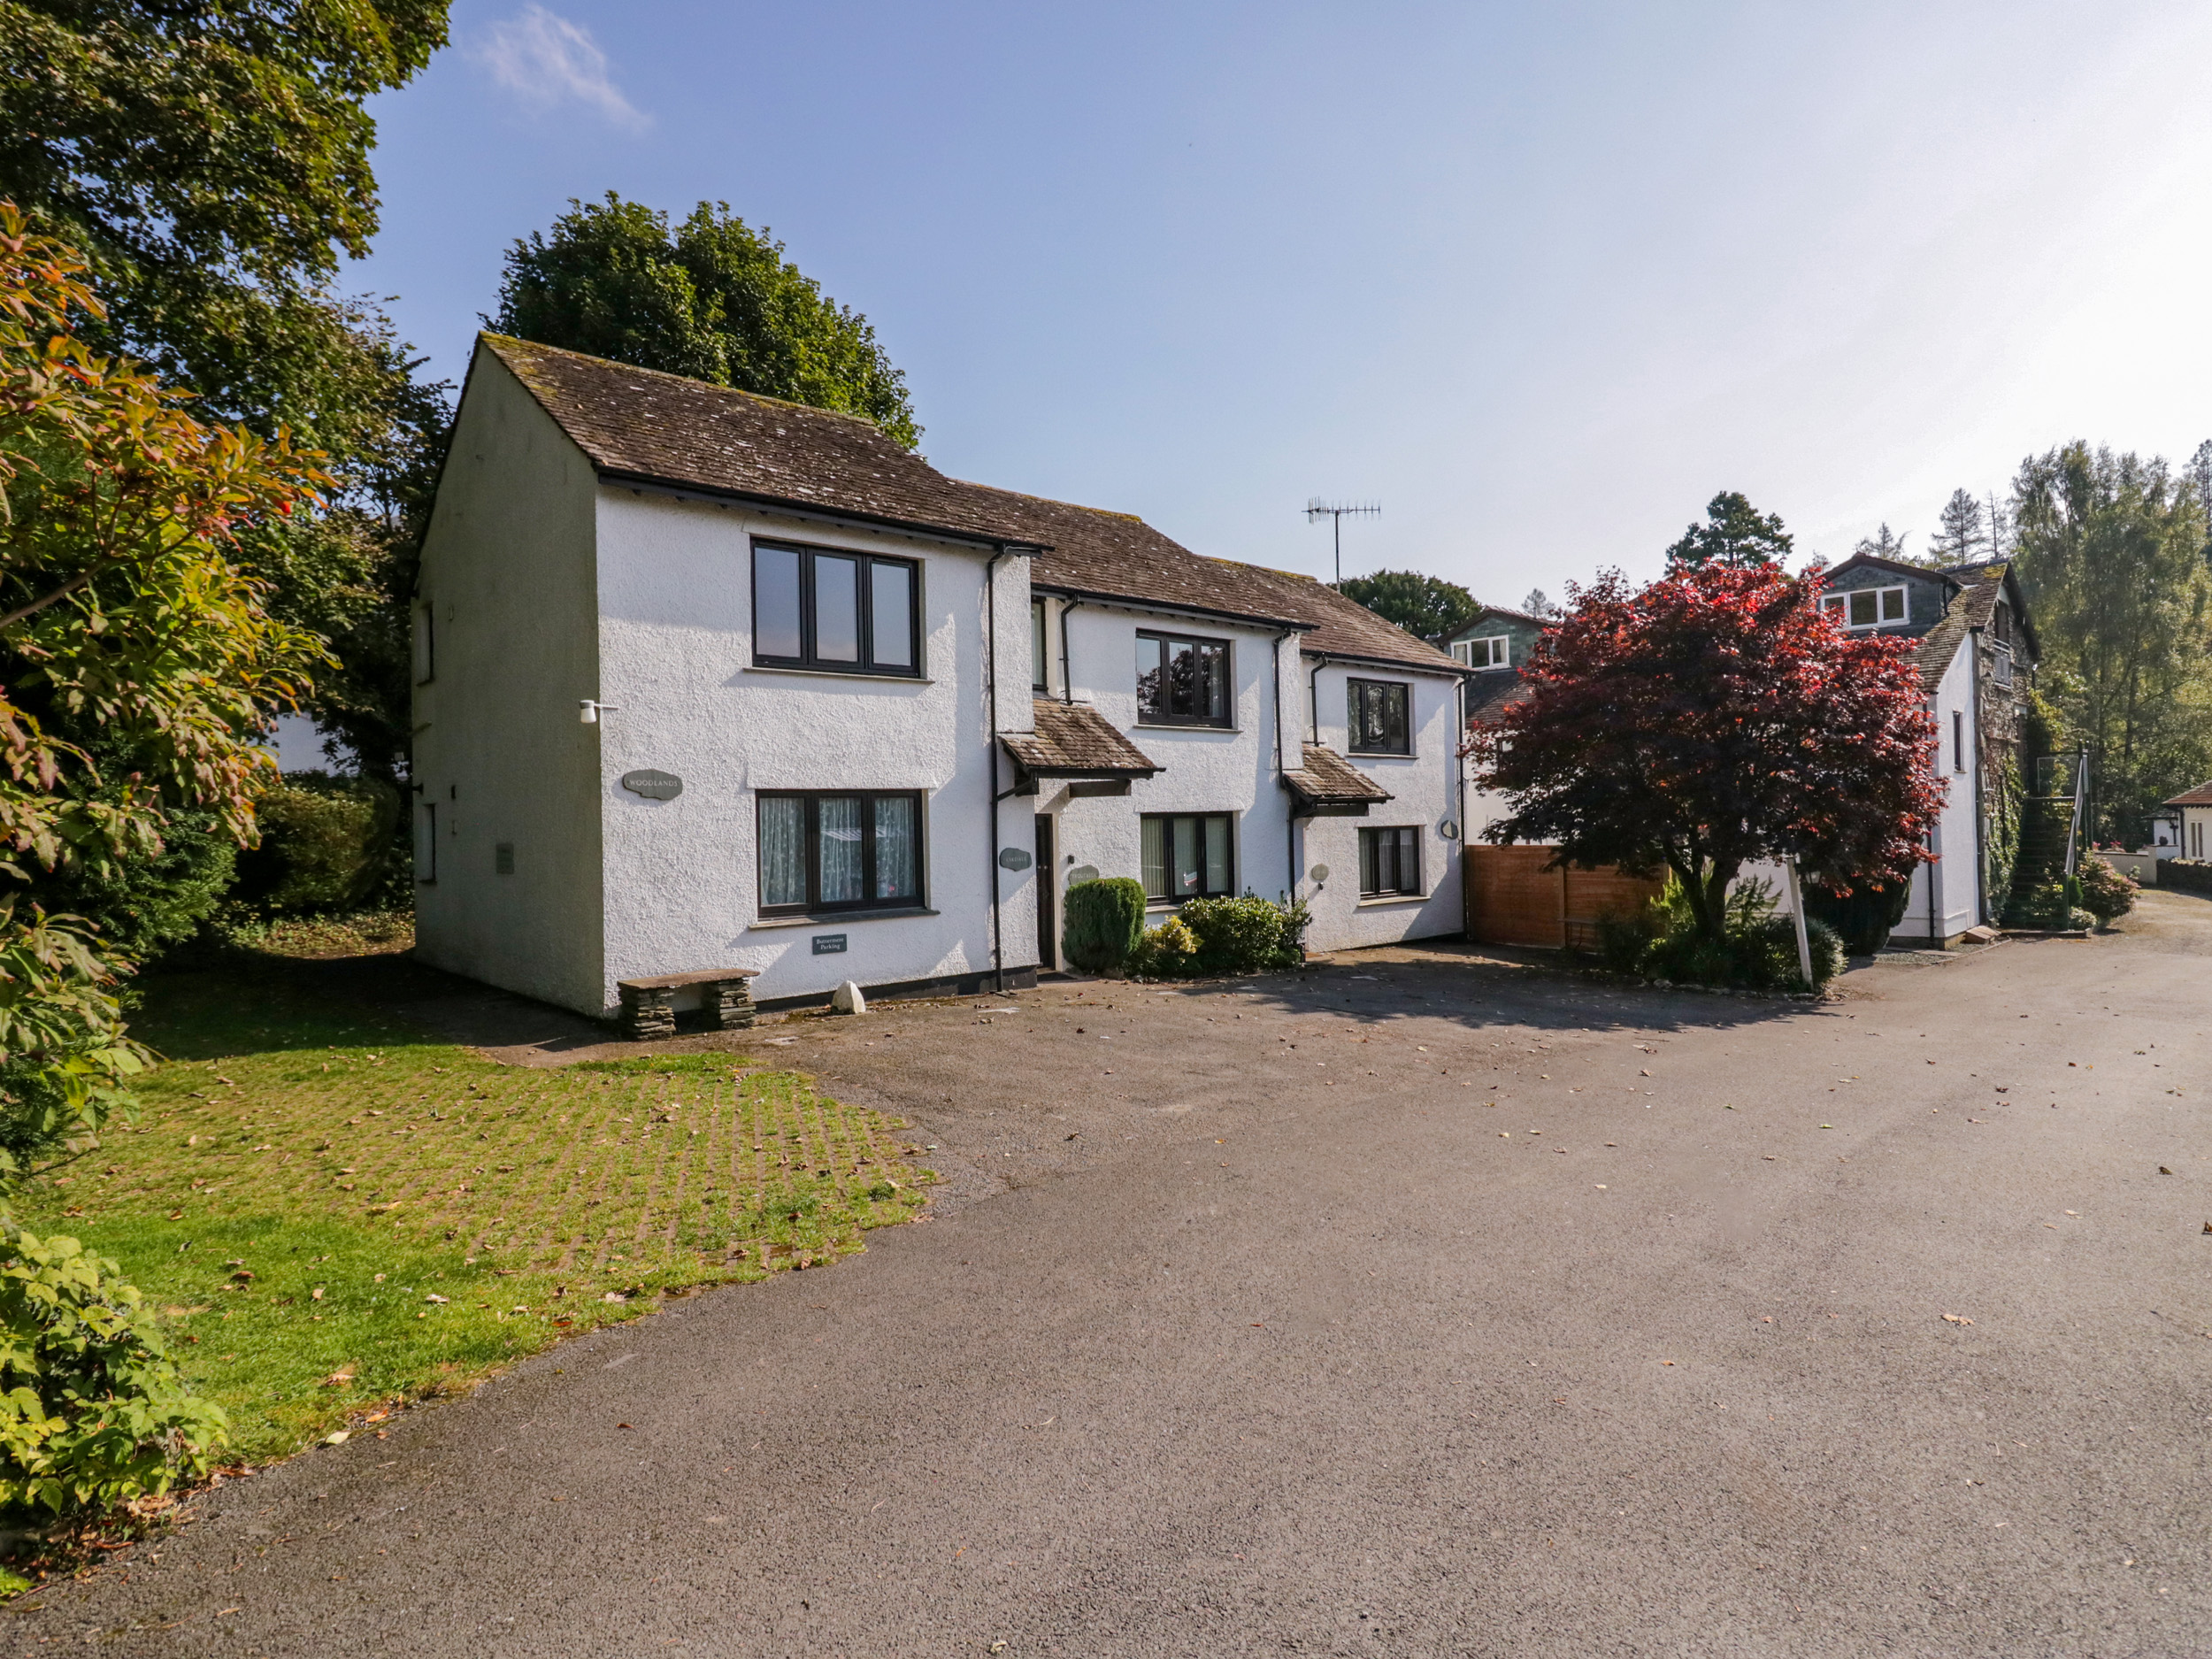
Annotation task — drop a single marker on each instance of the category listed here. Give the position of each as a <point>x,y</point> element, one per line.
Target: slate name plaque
<point>829,944</point>
<point>654,785</point>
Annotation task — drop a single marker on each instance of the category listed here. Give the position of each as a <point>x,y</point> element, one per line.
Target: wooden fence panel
<point>1514,898</point>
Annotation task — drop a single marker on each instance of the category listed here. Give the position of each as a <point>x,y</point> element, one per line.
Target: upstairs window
<point>1866,607</point>
<point>1379,716</point>
<point>1039,652</point>
<point>850,613</point>
<point>1493,652</point>
<point>1182,682</point>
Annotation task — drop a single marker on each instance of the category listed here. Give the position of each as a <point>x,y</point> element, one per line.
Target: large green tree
<point>713,299</point>
<point>1427,607</point>
<point>1735,535</point>
<point>2110,550</point>
<point>211,158</point>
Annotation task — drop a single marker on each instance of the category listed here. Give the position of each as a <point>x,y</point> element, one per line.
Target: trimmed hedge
<point>1105,919</point>
<point>2193,874</point>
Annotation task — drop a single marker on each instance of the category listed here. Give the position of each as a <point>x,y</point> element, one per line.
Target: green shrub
<point>1246,935</point>
<point>1757,951</point>
<point>1105,921</point>
<point>1166,952</point>
<point>93,1411</point>
<point>2105,893</point>
<point>326,844</point>
<point>1863,911</point>
<point>2049,904</point>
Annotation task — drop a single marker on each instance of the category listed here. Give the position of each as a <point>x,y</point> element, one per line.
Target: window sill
<point>836,917</point>
<point>838,673</point>
<point>1380,754</point>
<point>1383,900</point>
<point>1182,725</point>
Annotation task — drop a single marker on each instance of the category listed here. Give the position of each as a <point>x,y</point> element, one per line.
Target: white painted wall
<point>1423,792</point>
<point>1950,885</point>
<point>680,877</point>
<point>1203,769</point>
<point>508,576</point>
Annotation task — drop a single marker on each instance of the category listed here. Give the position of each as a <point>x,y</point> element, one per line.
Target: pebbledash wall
<point>1237,770</point>
<point>544,586</point>
<point>1203,768</point>
<point>1425,791</point>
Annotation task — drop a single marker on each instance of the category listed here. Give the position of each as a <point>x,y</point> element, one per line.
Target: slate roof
<point>1490,692</point>
<point>2201,795</point>
<point>668,429</point>
<point>1464,629</point>
<point>1980,587</point>
<point>1074,740</point>
<point>1093,553</point>
<point>1327,778</point>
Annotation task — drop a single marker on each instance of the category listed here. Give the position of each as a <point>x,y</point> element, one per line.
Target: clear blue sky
<point>1538,278</point>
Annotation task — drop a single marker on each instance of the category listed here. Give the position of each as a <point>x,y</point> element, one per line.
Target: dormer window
<point>1495,652</point>
<point>1865,607</point>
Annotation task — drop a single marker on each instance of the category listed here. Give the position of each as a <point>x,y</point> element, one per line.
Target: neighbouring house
<point>1976,653</point>
<point>707,681</point>
<point>1494,638</point>
<point>2193,811</point>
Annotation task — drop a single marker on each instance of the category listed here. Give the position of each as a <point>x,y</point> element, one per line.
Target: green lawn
<point>333,1214</point>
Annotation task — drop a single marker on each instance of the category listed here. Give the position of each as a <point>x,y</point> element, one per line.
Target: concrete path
<point>1416,1306</point>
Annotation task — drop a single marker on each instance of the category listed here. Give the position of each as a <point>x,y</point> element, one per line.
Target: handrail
<point>2073,826</point>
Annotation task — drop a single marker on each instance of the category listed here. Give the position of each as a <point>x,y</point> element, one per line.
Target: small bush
<point>1167,952</point>
<point>93,1411</point>
<point>1105,921</point>
<point>1246,935</point>
<point>1757,951</point>
<point>327,845</point>
<point>2049,904</point>
<point>2105,893</point>
<point>1863,912</point>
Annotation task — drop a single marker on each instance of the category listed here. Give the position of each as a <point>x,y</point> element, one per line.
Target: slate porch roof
<point>1074,740</point>
<point>1328,780</point>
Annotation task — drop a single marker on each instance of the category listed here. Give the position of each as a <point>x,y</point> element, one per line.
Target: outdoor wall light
<point>589,712</point>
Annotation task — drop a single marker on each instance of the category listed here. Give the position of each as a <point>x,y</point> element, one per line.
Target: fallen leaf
<point>338,1438</point>
<point>339,1379</point>
<point>316,1293</point>
<point>433,1296</point>
<point>1955,1318</point>
<point>2162,1170</point>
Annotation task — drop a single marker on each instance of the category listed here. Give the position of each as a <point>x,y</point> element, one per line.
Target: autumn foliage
<point>1710,720</point>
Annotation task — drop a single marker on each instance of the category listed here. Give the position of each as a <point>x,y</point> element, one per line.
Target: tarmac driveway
<point>1417,1305</point>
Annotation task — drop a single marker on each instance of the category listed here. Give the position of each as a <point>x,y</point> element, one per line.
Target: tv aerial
<point>1337,512</point>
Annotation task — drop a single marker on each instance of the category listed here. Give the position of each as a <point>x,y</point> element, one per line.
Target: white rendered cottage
<point>709,680</point>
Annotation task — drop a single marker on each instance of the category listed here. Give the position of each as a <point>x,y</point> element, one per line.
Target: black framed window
<point>1380,717</point>
<point>1182,682</point>
<point>848,612</point>
<point>1188,855</point>
<point>1040,649</point>
<point>1389,862</point>
<point>821,851</point>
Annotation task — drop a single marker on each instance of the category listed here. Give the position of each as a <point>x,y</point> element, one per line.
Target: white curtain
<point>839,849</point>
<point>782,850</point>
<point>897,871</point>
<point>1156,857</point>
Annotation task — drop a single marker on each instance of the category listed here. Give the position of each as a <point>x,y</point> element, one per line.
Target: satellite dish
<point>1319,872</point>
<point>1449,830</point>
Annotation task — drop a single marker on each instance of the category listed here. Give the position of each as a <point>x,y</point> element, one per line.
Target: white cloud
<point>546,60</point>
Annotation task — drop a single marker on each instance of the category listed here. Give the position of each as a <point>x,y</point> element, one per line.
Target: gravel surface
<point>1421,1303</point>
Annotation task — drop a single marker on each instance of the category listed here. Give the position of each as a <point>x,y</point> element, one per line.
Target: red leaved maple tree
<point>1710,720</point>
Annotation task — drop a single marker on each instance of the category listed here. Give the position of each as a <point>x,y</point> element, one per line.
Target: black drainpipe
<point>1067,674</point>
<point>1320,662</point>
<point>990,700</point>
